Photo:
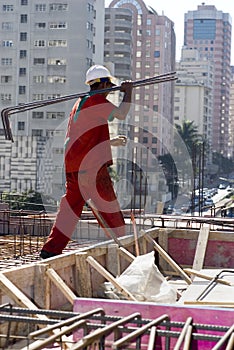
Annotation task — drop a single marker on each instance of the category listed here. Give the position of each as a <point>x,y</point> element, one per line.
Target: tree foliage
<point>188,132</point>
<point>28,200</point>
<point>225,165</point>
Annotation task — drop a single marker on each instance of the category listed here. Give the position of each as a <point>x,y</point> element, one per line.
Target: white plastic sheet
<point>145,282</point>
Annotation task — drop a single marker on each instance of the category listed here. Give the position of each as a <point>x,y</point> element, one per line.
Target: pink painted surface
<point>201,315</point>
<point>219,254</point>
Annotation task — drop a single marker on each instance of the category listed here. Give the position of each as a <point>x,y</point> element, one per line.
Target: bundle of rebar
<point>6,112</point>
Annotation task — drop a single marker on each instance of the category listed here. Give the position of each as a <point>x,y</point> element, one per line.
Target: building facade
<point>141,44</point>
<point>194,92</point>
<point>209,31</point>
<point>231,117</point>
<point>153,52</point>
<point>46,48</point>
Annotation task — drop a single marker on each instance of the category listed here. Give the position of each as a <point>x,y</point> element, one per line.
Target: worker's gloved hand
<point>126,86</point>
<point>119,140</point>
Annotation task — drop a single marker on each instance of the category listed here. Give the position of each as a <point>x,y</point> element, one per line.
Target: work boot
<point>45,255</point>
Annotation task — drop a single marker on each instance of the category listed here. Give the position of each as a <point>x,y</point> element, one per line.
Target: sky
<point>175,11</point>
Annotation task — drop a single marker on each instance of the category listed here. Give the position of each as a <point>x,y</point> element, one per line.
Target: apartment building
<point>46,48</point>
<point>194,92</point>
<point>141,44</point>
<point>231,117</point>
<point>152,52</point>
<point>209,31</point>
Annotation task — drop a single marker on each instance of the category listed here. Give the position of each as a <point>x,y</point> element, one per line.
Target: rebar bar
<point>6,112</point>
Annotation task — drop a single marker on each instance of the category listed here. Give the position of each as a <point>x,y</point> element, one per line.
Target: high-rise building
<point>46,48</point>
<point>209,31</point>
<point>231,117</point>
<point>152,52</point>
<point>194,91</point>
<point>141,44</point>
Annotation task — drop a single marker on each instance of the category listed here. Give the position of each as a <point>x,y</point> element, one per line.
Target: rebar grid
<point>97,320</point>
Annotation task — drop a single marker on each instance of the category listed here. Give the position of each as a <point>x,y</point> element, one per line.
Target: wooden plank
<point>126,254</point>
<point>58,281</point>
<point>17,296</point>
<point>207,277</point>
<point>110,278</point>
<point>201,247</point>
<point>112,260</point>
<point>84,284</point>
<point>170,261</point>
<point>163,242</point>
<point>211,303</point>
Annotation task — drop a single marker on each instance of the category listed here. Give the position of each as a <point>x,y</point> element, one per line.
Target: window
<point>23,36</point>
<point>22,72</point>
<point>58,7</point>
<point>55,115</point>
<point>7,43</point>
<point>21,126</point>
<point>5,97</point>
<point>58,25</point>
<point>58,43</point>
<point>154,140</point>
<point>6,61</point>
<point>38,61</point>
<point>22,90</point>
<point>23,18</point>
<point>6,78</point>
<point>38,79</point>
<point>24,2</point>
<point>37,115</point>
<point>39,43</point>
<point>145,139</point>
<point>90,7</point>
<point>90,43</point>
<point>37,132</point>
<point>23,53</point>
<point>40,7</point>
<point>57,62</point>
<point>40,25</point>
<point>56,79</point>
<point>155,108</point>
<point>204,29</point>
<point>7,25</point>
<point>89,26</point>
<point>38,97</point>
<point>156,54</point>
<point>7,8</point>
<point>50,97</point>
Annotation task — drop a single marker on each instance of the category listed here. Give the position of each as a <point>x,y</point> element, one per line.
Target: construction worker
<point>87,157</point>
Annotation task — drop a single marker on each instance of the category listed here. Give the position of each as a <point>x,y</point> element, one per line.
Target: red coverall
<point>87,156</point>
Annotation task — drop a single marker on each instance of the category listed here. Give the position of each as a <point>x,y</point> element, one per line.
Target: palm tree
<point>188,132</point>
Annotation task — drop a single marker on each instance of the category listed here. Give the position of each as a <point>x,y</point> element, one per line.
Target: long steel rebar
<point>6,112</point>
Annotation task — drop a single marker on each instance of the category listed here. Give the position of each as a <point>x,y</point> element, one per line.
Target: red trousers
<point>81,186</point>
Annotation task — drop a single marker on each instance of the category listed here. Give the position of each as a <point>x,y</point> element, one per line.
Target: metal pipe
<point>6,112</point>
<point>211,284</point>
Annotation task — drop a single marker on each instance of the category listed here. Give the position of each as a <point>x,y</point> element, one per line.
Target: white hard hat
<point>97,74</point>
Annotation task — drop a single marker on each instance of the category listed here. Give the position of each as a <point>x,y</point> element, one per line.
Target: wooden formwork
<point>38,280</point>
<point>55,283</point>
